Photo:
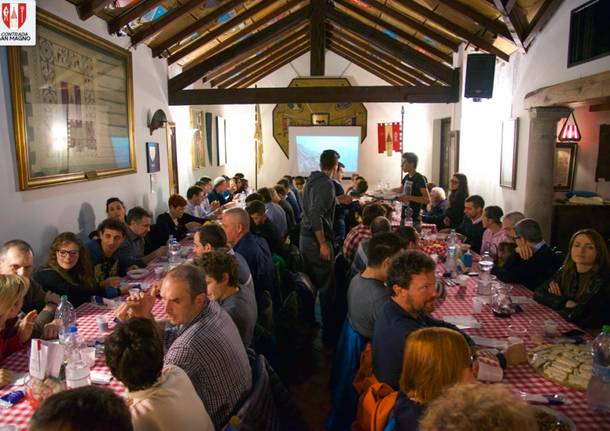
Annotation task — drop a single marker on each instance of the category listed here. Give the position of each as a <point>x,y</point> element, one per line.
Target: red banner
<point>388,137</point>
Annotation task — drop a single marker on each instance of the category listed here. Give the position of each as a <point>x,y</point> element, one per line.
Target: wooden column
<point>318,38</point>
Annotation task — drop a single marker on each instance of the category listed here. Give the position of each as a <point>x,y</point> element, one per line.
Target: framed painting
<point>72,100</point>
<point>152,157</point>
<point>508,154</point>
<point>197,144</point>
<point>221,140</point>
<point>564,166</point>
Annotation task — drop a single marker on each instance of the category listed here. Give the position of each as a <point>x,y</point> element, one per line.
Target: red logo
<point>13,15</point>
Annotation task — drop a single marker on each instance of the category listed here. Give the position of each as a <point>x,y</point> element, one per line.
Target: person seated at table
<point>212,237</point>
<point>458,192</point>
<point>115,209</point>
<point>508,224</point>
<point>437,207</point>
<point>478,407</point>
<point>209,208</point>
<point>505,250</point>
<point>14,334</point>
<point>236,224</point>
<point>278,196</point>
<point>274,212</point>
<point>292,199</point>
<point>493,234</point>
<point>175,222</point>
<point>217,194</point>
<point>132,250</point>
<point>223,286</point>
<point>533,261</point>
<point>67,270</point>
<point>104,254</point>
<point>378,225</point>
<point>194,197</point>
<point>434,359</point>
<point>299,184</point>
<point>361,232</point>
<point>88,408</point>
<point>17,258</point>
<point>359,189</point>
<point>261,226</point>
<point>159,397</point>
<point>367,293</point>
<point>200,338</point>
<point>410,236</point>
<point>472,224</point>
<point>580,290</point>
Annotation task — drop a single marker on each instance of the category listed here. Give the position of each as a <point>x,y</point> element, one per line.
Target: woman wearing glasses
<point>67,270</point>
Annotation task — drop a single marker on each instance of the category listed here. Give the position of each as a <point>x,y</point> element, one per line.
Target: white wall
<point>38,215</point>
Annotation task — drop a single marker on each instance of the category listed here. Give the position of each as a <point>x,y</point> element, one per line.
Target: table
<point>523,377</point>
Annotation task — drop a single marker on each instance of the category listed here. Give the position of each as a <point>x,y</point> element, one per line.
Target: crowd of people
<point>261,260</point>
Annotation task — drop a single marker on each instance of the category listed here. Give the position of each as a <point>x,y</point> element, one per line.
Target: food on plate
<point>566,364</point>
<point>550,420</point>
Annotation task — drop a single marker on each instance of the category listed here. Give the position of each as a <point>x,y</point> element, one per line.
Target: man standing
<point>317,237</point>
<point>200,338</point>
<point>414,190</point>
<point>472,225</point>
<point>131,251</point>
<point>17,258</point>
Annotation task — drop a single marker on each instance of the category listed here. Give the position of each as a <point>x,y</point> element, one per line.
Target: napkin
<point>46,358</point>
<point>463,322</point>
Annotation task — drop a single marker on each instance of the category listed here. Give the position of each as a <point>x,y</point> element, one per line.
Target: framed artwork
<point>320,119</point>
<point>221,140</point>
<point>72,100</point>
<point>197,144</point>
<point>172,161</point>
<point>152,157</point>
<point>508,154</point>
<point>564,166</point>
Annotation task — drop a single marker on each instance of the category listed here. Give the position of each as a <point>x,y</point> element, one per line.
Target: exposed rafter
<point>546,11</point>
<point>88,8</point>
<point>514,20</point>
<point>120,21</point>
<point>270,69</point>
<point>317,39</point>
<point>494,26</point>
<point>358,62</point>
<point>254,41</point>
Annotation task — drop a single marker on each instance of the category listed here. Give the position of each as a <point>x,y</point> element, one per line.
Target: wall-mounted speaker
<point>480,76</point>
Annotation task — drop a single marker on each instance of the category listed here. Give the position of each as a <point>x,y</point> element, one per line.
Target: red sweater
<point>9,339</point>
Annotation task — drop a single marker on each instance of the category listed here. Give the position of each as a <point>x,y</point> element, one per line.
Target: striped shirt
<point>211,352</point>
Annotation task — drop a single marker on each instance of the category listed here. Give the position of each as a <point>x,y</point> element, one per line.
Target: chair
<point>344,397</point>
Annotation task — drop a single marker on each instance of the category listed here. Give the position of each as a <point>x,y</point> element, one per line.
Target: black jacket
<point>532,272</point>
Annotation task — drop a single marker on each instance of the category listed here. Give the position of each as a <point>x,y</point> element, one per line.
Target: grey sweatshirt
<point>318,204</point>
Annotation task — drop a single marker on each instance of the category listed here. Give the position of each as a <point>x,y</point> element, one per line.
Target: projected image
<point>309,149</point>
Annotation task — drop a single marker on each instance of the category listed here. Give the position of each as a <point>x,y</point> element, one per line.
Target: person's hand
<point>155,288</point>
<point>215,205</point>
<point>5,377</point>
<point>111,282</point>
<point>50,331</point>
<point>141,304</point>
<point>344,199</point>
<point>404,198</point>
<point>161,251</point>
<point>123,312</point>
<point>554,288</point>
<point>325,252</point>
<point>523,249</point>
<point>26,325</point>
<point>515,354</point>
<point>571,304</point>
<point>52,297</point>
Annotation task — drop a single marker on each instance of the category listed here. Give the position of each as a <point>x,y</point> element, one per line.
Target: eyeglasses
<point>71,253</point>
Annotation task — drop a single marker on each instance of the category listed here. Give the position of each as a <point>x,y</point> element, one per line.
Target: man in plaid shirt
<point>201,338</point>
<point>361,232</point>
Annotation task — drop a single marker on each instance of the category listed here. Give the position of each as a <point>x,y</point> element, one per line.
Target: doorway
<point>449,154</point>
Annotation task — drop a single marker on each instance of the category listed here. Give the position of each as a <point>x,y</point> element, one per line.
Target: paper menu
<point>46,358</point>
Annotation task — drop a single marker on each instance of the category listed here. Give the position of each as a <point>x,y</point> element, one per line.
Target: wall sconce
<point>158,120</point>
<point>570,131</point>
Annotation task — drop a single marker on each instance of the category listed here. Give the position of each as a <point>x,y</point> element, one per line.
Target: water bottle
<point>66,316</point>
<point>77,370</point>
<point>467,259</point>
<point>452,238</point>
<point>598,391</point>
<point>173,249</point>
<point>451,262</point>
<point>485,265</point>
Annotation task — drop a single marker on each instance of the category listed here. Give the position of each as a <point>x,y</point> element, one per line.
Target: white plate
<point>136,274</point>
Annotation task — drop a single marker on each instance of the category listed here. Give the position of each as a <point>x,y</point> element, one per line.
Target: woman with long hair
<point>458,192</point>
<point>115,209</point>
<point>68,270</point>
<point>434,359</point>
<point>580,290</point>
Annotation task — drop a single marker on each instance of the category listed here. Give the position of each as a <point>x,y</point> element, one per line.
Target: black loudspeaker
<point>480,76</point>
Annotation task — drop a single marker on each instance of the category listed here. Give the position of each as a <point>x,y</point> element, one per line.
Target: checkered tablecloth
<point>523,378</point>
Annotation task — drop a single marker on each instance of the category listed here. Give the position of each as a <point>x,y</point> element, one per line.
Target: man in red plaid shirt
<point>361,232</point>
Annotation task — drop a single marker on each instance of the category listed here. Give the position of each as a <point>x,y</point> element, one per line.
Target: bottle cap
<point>63,297</point>
<point>72,329</point>
<point>606,329</point>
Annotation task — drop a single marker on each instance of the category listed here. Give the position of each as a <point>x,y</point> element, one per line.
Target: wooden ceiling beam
<point>255,69</point>
<point>247,53</point>
<point>258,39</point>
<point>243,33</point>
<point>389,75</point>
<point>354,39</point>
<point>89,8</point>
<point>317,33</point>
<point>270,69</point>
<point>407,54</point>
<point>453,28</point>
<point>415,25</point>
<point>514,20</point>
<point>282,45</point>
<point>363,94</point>
<point>392,81</point>
<point>494,26</point>
<point>447,58</point>
<point>203,39</point>
<point>546,11</point>
<point>120,21</point>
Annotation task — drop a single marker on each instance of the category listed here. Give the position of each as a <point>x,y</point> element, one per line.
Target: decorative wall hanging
<point>388,138</point>
<point>72,103</point>
<point>221,141</point>
<point>197,146</point>
<point>508,154</point>
<point>152,157</point>
<point>564,166</point>
<point>208,134</point>
<point>316,114</point>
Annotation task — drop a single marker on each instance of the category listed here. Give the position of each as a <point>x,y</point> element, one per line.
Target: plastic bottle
<point>485,265</point>
<point>451,262</point>
<point>598,391</point>
<point>173,249</point>
<point>467,259</point>
<point>77,370</point>
<point>452,238</point>
<point>66,316</point>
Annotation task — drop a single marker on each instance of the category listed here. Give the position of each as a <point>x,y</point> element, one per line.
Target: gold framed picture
<point>72,100</point>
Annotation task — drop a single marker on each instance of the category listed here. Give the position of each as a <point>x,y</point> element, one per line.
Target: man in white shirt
<point>194,197</point>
